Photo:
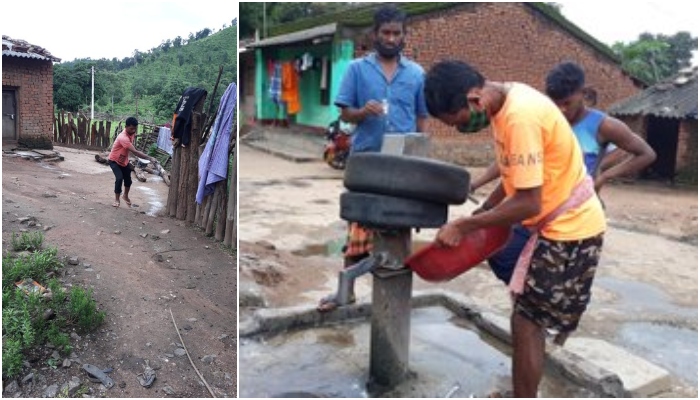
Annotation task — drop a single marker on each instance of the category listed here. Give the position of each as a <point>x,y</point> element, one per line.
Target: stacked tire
<point>396,191</point>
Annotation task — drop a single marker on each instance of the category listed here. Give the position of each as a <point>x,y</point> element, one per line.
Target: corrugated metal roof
<point>25,55</point>
<point>23,49</point>
<point>674,98</point>
<point>295,37</point>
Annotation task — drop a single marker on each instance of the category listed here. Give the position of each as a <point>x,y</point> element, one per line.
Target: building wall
<point>33,82</point>
<point>313,113</point>
<point>506,42</point>
<point>687,156</point>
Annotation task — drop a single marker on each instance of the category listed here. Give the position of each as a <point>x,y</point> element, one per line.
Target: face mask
<point>388,52</point>
<point>478,120</point>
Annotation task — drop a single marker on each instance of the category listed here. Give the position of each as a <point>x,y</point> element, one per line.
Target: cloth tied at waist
<point>581,193</point>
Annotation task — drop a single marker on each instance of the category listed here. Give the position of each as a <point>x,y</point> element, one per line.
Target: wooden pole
<point>174,180</point>
<point>216,198</point>
<point>206,206</point>
<point>232,204</point>
<point>221,214</point>
<point>197,126</point>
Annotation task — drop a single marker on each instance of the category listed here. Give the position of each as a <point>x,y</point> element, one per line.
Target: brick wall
<point>506,42</point>
<point>687,153</point>
<point>33,83</point>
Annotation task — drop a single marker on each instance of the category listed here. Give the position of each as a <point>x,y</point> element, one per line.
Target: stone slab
<point>639,377</point>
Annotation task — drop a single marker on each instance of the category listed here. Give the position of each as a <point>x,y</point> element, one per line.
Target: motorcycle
<point>337,147</point>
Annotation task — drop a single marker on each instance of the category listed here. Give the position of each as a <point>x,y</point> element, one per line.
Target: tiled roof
<point>23,49</point>
<point>674,98</point>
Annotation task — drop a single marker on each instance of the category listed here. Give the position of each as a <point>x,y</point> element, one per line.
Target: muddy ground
<point>645,292</point>
<point>141,266</point>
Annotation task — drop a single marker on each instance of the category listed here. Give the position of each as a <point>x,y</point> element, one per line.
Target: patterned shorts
<point>558,283</point>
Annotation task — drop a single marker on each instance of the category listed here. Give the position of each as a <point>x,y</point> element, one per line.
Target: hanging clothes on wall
<point>325,77</point>
<point>213,164</point>
<point>182,117</point>
<point>290,88</point>
<point>276,83</point>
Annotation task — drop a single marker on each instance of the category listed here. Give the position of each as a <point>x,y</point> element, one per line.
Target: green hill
<point>149,84</point>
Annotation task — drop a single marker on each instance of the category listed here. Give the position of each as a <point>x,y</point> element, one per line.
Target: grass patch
<point>33,318</point>
<point>30,241</point>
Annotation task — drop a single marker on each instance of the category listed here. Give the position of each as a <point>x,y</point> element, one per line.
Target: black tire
<point>408,177</point>
<point>380,211</point>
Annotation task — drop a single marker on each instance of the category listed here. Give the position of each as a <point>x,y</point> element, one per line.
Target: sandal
<point>330,303</point>
<point>115,204</point>
<point>128,203</point>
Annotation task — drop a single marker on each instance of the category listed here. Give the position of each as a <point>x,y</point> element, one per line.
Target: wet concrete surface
<point>644,295</point>
<point>449,357</point>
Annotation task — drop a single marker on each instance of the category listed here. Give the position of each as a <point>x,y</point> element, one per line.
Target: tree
<point>164,103</point>
<point>654,58</point>
<point>68,97</point>
<point>166,45</point>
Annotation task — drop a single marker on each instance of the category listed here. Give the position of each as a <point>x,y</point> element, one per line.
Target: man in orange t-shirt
<point>544,186</point>
<point>119,160</point>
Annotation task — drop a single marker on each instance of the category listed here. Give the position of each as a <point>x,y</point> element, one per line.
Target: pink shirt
<point>120,150</point>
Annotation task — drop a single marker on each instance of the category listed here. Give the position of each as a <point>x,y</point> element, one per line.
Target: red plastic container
<point>438,264</point>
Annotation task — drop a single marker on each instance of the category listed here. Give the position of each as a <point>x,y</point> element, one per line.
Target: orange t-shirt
<point>120,149</point>
<point>535,146</point>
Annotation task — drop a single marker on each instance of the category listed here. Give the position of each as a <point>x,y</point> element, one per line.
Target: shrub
<point>82,310</point>
<point>11,357</point>
<point>30,241</point>
<point>34,267</point>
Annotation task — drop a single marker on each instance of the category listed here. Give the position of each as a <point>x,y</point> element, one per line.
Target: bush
<point>34,267</point>
<point>23,322</point>
<point>11,357</point>
<point>30,241</point>
<point>59,339</point>
<point>82,310</point>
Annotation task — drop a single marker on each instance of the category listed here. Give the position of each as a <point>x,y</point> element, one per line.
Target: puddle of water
<point>644,299</point>
<point>448,356</point>
<point>155,205</point>
<point>675,349</point>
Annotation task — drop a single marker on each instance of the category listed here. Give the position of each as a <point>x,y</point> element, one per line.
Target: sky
<point>119,27</point>
<point>73,29</point>
<point>616,21</point>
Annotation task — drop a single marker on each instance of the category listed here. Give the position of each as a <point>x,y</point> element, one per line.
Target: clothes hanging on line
<point>214,162</point>
<point>182,117</point>
<point>164,143</point>
<point>276,84</point>
<point>290,88</point>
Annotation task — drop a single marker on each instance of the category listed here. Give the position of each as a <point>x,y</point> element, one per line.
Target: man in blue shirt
<point>380,93</point>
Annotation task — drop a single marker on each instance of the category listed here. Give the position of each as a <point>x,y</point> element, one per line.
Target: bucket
<point>436,263</point>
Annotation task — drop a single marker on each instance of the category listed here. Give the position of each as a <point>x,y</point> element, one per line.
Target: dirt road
<point>645,292</point>
<point>141,266</point>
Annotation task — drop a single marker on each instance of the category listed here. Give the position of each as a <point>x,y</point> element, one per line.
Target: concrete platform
<point>639,377</point>
<point>291,144</point>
